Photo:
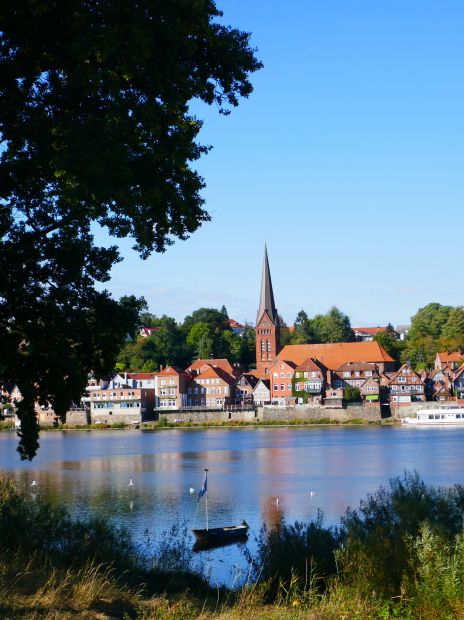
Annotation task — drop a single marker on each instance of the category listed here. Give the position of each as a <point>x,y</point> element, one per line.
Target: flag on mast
<point>204,488</point>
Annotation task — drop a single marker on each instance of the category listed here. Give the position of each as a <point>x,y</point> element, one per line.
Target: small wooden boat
<point>217,536</point>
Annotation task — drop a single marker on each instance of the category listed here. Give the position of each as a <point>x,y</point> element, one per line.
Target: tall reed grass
<point>399,554</point>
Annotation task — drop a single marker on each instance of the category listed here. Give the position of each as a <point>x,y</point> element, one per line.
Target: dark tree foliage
<point>172,344</point>
<point>433,328</point>
<point>215,319</point>
<point>352,394</point>
<point>388,341</point>
<point>95,131</point>
<point>334,326</point>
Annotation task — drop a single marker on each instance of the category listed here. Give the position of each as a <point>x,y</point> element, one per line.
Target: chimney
<point>161,367</point>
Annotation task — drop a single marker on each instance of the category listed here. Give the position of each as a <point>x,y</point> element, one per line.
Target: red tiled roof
<point>223,363</point>
<point>234,324</point>
<point>369,330</point>
<point>336,354</point>
<point>140,375</point>
<point>400,371</point>
<point>170,370</point>
<point>455,356</point>
<point>289,362</point>
<point>259,374</point>
<point>212,372</point>
<point>310,364</point>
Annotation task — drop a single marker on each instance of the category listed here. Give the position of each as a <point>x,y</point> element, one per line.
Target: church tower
<point>267,323</point>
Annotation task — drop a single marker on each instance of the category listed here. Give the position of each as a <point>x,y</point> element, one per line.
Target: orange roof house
<point>222,363</point>
<point>366,334</point>
<point>337,354</point>
<point>454,359</point>
<point>212,387</point>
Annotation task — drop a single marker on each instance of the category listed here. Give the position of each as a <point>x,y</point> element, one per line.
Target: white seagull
<point>313,493</point>
<point>33,483</point>
<point>131,483</point>
<point>192,490</point>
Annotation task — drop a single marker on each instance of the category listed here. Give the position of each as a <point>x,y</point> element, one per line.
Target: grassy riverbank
<point>161,424</point>
<point>399,555</point>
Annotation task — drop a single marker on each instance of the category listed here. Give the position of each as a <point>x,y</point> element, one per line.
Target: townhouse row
<point>216,384</point>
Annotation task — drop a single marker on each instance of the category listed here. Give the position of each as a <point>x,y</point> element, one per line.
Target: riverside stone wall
<point>409,410</point>
<point>369,413</point>
<point>198,417</point>
<point>73,418</point>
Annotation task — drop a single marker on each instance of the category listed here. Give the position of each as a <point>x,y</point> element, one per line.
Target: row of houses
<point>217,384</point>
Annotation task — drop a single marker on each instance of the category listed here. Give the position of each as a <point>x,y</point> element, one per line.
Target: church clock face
<point>264,323</point>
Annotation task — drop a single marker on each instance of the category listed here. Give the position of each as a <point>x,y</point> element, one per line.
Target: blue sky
<point>347,160</point>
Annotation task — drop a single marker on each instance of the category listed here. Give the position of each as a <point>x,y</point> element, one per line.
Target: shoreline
<point>156,426</point>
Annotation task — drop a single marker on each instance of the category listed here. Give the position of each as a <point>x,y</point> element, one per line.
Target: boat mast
<point>206,474</point>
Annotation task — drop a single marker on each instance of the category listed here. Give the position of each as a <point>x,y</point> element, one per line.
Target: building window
<point>282,386</point>
<point>282,375</point>
<point>289,387</point>
<point>276,387</point>
<point>268,345</point>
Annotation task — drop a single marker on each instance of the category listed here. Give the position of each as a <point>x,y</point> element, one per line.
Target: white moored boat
<point>445,414</point>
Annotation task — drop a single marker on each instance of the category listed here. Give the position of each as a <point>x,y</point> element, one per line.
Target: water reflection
<point>261,475</point>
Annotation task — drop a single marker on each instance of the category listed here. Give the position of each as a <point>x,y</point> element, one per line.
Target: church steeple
<point>267,323</point>
<point>266,300</point>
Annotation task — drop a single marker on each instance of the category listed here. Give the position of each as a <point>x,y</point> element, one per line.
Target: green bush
<point>352,394</point>
<point>377,553</point>
<point>37,527</point>
<point>297,556</point>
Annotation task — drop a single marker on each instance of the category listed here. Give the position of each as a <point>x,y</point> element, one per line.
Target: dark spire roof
<point>266,300</point>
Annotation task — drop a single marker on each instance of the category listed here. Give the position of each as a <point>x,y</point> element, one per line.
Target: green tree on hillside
<point>390,343</point>
<point>165,346</point>
<point>335,326</point>
<point>95,131</point>
<point>200,340</point>
<point>453,329</point>
<point>433,328</point>
<point>429,321</point>
<point>303,333</point>
<point>216,319</point>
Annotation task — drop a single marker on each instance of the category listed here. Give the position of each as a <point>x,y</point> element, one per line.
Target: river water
<point>257,474</point>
